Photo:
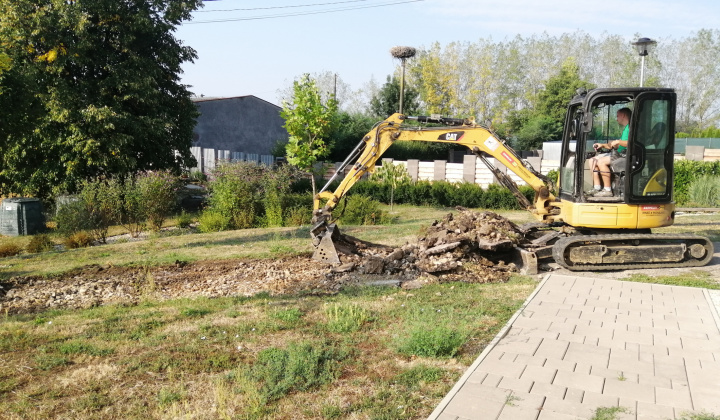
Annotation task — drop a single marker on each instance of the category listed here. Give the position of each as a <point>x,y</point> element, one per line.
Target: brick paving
<point>579,344</point>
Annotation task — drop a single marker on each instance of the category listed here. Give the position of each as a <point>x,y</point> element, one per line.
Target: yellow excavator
<point>578,230</point>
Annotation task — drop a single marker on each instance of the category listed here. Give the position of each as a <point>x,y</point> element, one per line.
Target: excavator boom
<point>480,140</point>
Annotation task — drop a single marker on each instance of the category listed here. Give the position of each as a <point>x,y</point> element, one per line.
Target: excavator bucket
<point>527,262</point>
<point>325,251</point>
<point>330,243</point>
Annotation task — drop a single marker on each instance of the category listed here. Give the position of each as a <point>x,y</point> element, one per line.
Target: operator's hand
<point>598,146</point>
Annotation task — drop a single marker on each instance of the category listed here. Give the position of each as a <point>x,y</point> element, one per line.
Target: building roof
<point>220,98</point>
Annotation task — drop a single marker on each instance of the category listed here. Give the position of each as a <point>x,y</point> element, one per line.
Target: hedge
<point>686,172</point>
<point>444,194</point>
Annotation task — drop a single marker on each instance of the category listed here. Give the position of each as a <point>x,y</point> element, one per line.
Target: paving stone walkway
<point>579,344</point>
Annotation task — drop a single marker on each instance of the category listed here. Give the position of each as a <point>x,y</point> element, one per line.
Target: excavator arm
<point>478,139</point>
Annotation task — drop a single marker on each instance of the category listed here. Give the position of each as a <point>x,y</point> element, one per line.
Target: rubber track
<point>563,244</point>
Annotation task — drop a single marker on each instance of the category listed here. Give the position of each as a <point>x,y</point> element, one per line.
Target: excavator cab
<point>641,178</point>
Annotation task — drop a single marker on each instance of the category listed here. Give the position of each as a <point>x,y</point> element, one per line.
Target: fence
<point>208,158</point>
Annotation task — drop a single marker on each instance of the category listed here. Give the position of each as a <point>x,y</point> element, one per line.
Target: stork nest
<point>403,52</point>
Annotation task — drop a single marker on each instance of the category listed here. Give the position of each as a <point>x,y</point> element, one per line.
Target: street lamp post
<point>403,53</point>
<point>644,46</point>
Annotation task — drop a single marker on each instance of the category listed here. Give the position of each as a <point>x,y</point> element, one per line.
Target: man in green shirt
<point>601,172</point>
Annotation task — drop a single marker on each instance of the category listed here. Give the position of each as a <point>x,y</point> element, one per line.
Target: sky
<point>258,47</point>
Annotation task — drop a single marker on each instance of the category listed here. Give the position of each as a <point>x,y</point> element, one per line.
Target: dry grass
<point>195,359</point>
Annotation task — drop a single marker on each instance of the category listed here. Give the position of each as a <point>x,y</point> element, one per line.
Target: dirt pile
<point>464,246</point>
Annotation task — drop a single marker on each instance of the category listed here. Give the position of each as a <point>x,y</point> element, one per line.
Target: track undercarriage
<point>618,251</point>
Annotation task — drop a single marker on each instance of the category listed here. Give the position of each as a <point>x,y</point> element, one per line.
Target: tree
<point>393,176</point>
<point>544,121</point>
<point>387,100</point>
<point>4,66</point>
<point>434,81</point>
<point>348,132</point>
<point>329,84</point>
<point>92,90</point>
<point>309,121</point>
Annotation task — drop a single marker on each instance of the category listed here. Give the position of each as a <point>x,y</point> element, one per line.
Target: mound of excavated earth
<point>465,246</point>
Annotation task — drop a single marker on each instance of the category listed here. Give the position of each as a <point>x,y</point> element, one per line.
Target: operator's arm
<point>612,144</point>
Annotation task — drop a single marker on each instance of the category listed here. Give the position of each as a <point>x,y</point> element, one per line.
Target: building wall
<point>245,124</point>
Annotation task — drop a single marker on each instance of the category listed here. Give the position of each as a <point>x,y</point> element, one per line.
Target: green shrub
<point>127,204</point>
<point>184,220</point>
<point>157,191</point>
<point>100,198</point>
<point>275,187</point>
<point>361,210</point>
<point>9,250</point>
<point>197,177</point>
<point>444,194</point>
<point>436,341</point>
<point>273,209</point>
<point>302,366</point>
<point>40,243</point>
<point>249,195</point>
<point>213,221</point>
<point>78,240</point>
<point>687,171</point>
<point>232,193</point>
<point>72,217</point>
<point>298,216</point>
<point>705,191</point>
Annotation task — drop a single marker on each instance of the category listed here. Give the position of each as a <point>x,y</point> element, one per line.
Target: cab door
<point>649,167</point>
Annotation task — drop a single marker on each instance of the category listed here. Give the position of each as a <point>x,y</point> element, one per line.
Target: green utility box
<point>21,216</point>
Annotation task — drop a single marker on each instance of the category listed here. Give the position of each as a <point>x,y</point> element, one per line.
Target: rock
<point>373,265</point>
<point>412,284</point>
<point>441,248</point>
<point>344,268</point>
<point>395,255</point>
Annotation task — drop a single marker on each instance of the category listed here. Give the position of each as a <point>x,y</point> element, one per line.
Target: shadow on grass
<point>299,233</point>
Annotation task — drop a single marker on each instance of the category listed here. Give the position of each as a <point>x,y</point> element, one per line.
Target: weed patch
<point>302,366</point>
<point>415,376</point>
<point>195,312</point>
<point>431,342</point>
<point>608,413</point>
<point>346,318</point>
<point>79,347</point>
<point>50,361</point>
<point>290,316</point>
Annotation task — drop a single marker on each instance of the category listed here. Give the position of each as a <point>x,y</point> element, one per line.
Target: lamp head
<point>644,46</point>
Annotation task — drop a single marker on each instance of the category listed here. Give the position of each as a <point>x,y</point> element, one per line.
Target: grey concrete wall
<point>244,124</point>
